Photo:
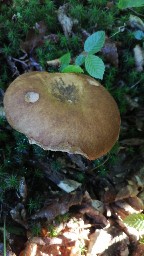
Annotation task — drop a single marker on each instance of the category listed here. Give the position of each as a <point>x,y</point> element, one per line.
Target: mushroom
<point>66,112</point>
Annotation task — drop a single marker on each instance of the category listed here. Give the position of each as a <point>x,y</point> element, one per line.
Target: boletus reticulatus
<point>63,112</point>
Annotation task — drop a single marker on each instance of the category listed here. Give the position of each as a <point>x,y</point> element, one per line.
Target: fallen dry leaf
<point>8,251</point>
<point>18,214</point>
<point>59,207</point>
<point>110,52</point>
<point>54,63</point>
<point>23,188</point>
<point>97,217</point>
<point>35,37</point>
<point>139,57</point>
<point>67,243</point>
<point>99,242</point>
<point>68,185</point>
<point>132,142</point>
<point>136,203</point>
<point>2,112</point>
<point>141,196</point>
<point>31,250</point>
<point>110,4</point>
<point>119,212</point>
<point>92,207</point>
<point>128,191</point>
<point>98,205</point>
<point>138,179</point>
<point>109,242</point>
<point>136,22</point>
<point>65,21</point>
<point>139,124</point>
<point>130,206</point>
<point>131,102</point>
<point>108,195</point>
<point>139,250</point>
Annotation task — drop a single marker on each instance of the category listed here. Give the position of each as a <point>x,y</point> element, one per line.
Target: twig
<point>54,63</point>
<point>136,83</point>
<point>65,21</point>
<point>35,64</point>
<point>4,237</point>
<point>92,170</point>
<point>22,62</point>
<point>139,14</point>
<point>12,65</point>
<point>85,33</point>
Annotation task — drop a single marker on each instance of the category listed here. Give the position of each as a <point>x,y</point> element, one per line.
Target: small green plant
<point>33,205</point>
<point>82,248</point>
<point>53,231</point>
<point>62,218</point>
<point>66,68</point>
<point>93,64</point>
<point>135,220</point>
<point>12,181</point>
<point>122,4</point>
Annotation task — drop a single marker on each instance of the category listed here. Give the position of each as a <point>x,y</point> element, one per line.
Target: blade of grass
<point>4,237</point>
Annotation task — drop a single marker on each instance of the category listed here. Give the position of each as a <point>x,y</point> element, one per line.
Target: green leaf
<point>139,35</point>
<point>80,59</point>
<point>94,66</point>
<point>95,42</point>
<point>135,220</point>
<point>72,69</point>
<point>65,60</point>
<point>122,4</point>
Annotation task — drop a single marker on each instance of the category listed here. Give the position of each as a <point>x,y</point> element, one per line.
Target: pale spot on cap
<point>31,97</point>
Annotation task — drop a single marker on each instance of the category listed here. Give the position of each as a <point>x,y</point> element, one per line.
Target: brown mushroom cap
<point>63,112</point>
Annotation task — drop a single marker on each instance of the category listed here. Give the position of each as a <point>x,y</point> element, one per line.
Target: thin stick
<point>4,237</point>
<point>139,14</point>
<point>92,170</point>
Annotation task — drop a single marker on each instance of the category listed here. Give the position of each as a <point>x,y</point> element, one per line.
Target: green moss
<point>78,12</point>
<point>36,229</point>
<point>34,204</point>
<point>18,18</point>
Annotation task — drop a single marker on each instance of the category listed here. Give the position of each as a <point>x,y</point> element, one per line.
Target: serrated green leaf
<point>95,42</point>
<point>122,4</point>
<point>72,69</point>
<point>135,220</point>
<point>65,60</point>
<point>80,59</point>
<point>94,66</point>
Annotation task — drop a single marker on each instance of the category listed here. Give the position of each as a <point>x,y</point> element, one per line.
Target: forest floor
<point>86,215</point>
